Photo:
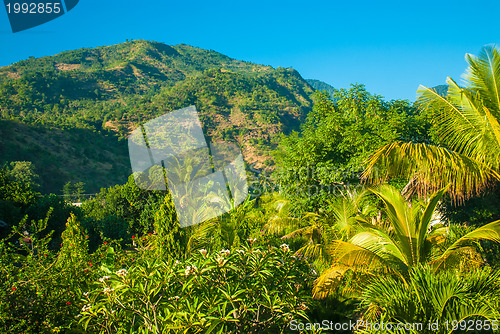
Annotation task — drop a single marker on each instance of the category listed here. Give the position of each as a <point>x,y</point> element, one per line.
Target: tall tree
<point>24,172</point>
<point>337,137</point>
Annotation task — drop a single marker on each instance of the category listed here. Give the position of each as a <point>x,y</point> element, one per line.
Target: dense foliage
<point>250,287</point>
<point>315,241</point>
<point>247,290</point>
<point>466,154</point>
<point>337,137</point>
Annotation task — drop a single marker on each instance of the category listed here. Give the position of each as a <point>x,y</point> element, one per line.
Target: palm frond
<point>425,220</point>
<point>328,281</point>
<point>483,76</point>
<point>463,258</point>
<point>433,167</point>
<point>429,297</point>
<point>489,231</point>
<point>360,258</point>
<point>314,251</point>
<point>468,124</point>
<point>438,236</point>
<point>200,235</point>
<point>344,211</point>
<point>307,232</point>
<point>465,124</point>
<point>379,243</point>
<point>400,216</point>
<point>280,225</point>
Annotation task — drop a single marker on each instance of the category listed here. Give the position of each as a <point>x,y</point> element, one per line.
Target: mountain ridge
<point>321,86</point>
<point>110,90</point>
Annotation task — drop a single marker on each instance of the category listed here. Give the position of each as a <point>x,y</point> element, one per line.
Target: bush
<point>60,212</point>
<point>247,291</point>
<point>39,289</point>
<point>113,227</point>
<point>448,299</point>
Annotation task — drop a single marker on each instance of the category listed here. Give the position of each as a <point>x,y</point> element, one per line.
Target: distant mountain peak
<point>441,89</point>
<point>321,86</point>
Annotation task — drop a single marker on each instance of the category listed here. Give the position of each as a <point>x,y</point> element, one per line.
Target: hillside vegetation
<point>91,99</point>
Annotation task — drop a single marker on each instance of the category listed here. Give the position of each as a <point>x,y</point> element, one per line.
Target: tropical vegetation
<point>360,210</point>
<point>467,131</point>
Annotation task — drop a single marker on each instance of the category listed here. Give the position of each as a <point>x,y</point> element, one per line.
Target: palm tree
<point>318,230</point>
<point>405,239</point>
<point>439,301</point>
<point>468,128</point>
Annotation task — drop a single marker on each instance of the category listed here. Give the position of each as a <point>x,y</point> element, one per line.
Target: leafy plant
<point>403,241</point>
<point>455,302</point>
<point>248,290</point>
<point>39,289</point>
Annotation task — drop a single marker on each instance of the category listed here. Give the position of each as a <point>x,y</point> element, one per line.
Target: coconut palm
<point>467,122</point>
<point>405,239</point>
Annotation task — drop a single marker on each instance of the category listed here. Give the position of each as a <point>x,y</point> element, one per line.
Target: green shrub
<point>247,291</point>
<point>39,289</point>
<point>113,227</point>
<point>456,302</point>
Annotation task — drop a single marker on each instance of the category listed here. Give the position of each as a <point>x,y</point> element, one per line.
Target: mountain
<point>321,86</point>
<point>70,113</point>
<point>441,90</point>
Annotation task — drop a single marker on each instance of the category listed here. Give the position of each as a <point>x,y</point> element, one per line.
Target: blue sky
<point>389,46</point>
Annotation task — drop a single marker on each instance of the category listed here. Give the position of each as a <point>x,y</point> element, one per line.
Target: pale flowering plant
<point>154,295</point>
<point>104,278</point>
<point>285,247</point>
<point>122,273</point>
<point>225,252</point>
<point>203,251</point>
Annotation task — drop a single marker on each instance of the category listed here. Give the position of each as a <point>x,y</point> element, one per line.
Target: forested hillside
<point>70,113</point>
